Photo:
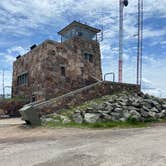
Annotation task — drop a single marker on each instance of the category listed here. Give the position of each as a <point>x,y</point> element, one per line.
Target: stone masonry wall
<point>84,94</point>
<point>78,72</point>
<point>43,67</point>
<point>30,63</point>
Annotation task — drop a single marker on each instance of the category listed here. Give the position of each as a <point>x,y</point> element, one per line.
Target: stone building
<point>55,68</point>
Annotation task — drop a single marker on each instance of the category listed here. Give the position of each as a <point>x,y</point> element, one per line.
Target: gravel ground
<point>10,121</point>
<point>23,146</point>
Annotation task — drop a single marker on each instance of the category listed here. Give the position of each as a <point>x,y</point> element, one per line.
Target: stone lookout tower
<point>52,68</point>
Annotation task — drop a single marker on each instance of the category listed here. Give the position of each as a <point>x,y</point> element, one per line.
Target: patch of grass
<point>148,120</point>
<point>130,123</point>
<point>102,125</point>
<point>162,120</point>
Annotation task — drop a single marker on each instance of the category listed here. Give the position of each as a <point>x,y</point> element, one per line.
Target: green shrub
<point>132,120</point>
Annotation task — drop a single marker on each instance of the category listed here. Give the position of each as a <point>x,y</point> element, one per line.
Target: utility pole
<point>3,84</point>
<point>122,3</point>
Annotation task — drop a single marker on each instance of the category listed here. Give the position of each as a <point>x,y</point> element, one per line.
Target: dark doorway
<point>63,72</point>
<point>33,98</point>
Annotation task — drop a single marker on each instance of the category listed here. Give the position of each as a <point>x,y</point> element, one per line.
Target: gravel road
<point>20,146</point>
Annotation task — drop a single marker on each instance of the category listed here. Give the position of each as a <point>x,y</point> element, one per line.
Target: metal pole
<point>112,73</point>
<point>3,84</point>
<point>139,42</point>
<point>121,5</point>
<point>142,6</point>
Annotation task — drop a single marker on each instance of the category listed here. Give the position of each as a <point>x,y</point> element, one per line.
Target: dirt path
<point>10,122</point>
<point>20,146</point>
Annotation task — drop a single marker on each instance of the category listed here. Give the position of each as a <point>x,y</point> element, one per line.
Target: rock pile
<point>123,107</point>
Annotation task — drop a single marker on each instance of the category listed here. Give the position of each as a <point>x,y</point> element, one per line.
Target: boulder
<point>145,108</point>
<point>126,114</point>
<point>89,110</point>
<point>122,119</point>
<point>153,114</point>
<point>135,115</point>
<point>122,103</point>
<point>106,117</point>
<point>48,119</point>
<point>109,107</point>
<point>65,121</point>
<point>164,112</point>
<point>148,101</point>
<point>116,115</point>
<point>77,118</point>
<point>103,112</point>
<point>98,106</point>
<point>91,117</point>
<point>155,103</point>
<point>154,110</point>
<point>116,105</point>
<point>136,104</point>
<point>131,108</point>
<point>164,106</point>
<point>77,111</point>
<point>118,110</point>
<point>144,113</point>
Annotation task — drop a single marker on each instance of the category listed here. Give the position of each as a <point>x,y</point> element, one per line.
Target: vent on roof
<point>33,46</point>
<point>19,56</point>
<point>125,2</point>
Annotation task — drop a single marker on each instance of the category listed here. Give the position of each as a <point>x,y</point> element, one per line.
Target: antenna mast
<point>142,23</point>
<point>140,42</point>
<point>122,3</point>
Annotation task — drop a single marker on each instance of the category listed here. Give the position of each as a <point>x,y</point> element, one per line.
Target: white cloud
<point>150,33</point>
<point>163,42</point>
<point>17,49</point>
<point>9,56</point>
<point>23,17</point>
<point>9,59</point>
<point>148,87</point>
<point>7,81</point>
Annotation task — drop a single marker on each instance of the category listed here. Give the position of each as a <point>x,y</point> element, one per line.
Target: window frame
<point>88,57</point>
<point>63,70</point>
<point>22,79</point>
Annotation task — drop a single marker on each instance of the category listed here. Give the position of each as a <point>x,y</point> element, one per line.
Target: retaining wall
<point>81,95</point>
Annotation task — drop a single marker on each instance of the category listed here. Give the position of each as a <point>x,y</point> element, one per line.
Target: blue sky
<point>25,22</point>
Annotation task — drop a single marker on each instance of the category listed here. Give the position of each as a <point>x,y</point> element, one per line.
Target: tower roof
<point>75,23</point>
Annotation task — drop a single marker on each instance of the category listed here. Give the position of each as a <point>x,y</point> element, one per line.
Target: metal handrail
<point>111,73</point>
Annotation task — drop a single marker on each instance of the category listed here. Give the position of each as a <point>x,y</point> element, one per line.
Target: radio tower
<point>140,42</point>
<point>122,3</point>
